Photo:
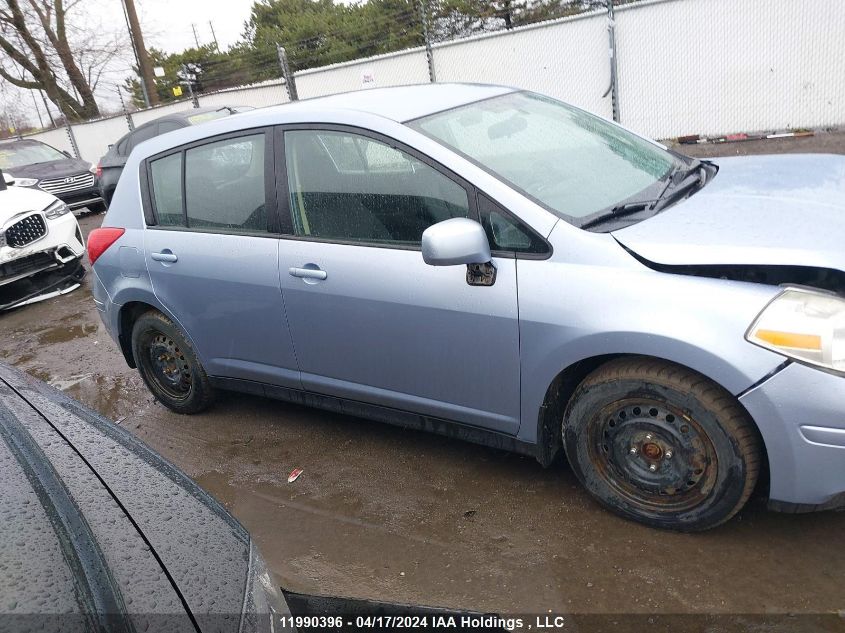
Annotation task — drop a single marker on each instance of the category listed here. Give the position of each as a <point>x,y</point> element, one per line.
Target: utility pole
<point>196,39</point>
<point>214,36</point>
<point>146,70</point>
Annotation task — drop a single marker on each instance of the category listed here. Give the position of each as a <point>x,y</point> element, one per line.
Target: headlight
<point>56,210</point>
<point>806,325</point>
<point>26,182</point>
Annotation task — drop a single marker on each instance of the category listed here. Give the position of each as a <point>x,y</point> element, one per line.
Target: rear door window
<point>225,186</point>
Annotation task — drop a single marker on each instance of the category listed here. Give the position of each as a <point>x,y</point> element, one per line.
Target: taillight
<point>99,241</point>
<point>99,171</point>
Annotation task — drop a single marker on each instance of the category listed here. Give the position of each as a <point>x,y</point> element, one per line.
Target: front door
<point>369,319</point>
<point>213,260</point>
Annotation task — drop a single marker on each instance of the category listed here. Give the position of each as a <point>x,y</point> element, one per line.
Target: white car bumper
<point>62,243</point>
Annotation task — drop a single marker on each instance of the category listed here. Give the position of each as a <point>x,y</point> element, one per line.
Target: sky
<point>167,23</point>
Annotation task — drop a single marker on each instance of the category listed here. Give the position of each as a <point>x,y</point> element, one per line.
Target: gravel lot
<point>386,513</point>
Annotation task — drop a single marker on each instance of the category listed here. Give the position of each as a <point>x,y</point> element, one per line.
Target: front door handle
<point>307,273</point>
<point>166,256</point>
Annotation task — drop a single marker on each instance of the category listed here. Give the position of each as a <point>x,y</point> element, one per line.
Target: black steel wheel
<point>168,365</point>
<point>660,444</point>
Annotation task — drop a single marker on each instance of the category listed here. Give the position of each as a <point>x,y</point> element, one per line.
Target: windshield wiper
<point>692,178</point>
<point>680,181</point>
<point>620,211</point>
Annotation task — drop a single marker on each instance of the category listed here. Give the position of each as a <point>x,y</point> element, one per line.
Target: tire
<point>168,365</point>
<point>660,444</point>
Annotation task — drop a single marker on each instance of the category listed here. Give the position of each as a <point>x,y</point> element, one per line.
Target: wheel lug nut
<point>653,467</point>
<point>649,436</point>
<point>633,450</point>
<point>668,454</point>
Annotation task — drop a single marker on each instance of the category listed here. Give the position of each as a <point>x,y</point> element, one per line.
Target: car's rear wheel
<point>168,365</point>
<point>660,444</point>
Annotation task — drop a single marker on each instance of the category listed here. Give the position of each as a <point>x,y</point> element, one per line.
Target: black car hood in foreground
<point>94,522</point>
<point>51,169</point>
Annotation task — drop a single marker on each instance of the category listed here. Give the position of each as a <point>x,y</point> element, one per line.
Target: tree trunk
<point>35,61</point>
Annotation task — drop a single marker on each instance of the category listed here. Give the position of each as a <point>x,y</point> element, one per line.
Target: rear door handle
<point>307,273</point>
<point>166,255</point>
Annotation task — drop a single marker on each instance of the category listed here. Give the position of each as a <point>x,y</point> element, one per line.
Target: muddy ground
<point>396,515</point>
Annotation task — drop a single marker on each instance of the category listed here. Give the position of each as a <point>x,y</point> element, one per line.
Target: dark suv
<point>111,165</point>
<point>40,166</point>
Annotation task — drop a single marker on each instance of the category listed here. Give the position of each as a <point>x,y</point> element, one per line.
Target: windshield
<point>574,163</point>
<point>21,154</point>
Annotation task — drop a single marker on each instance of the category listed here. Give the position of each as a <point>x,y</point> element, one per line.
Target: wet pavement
<point>386,513</point>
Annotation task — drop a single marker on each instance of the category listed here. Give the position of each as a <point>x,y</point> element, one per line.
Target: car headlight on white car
<point>803,324</point>
<point>26,182</point>
<point>56,210</point>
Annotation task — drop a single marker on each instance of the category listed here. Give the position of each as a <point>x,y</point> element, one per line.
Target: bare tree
<point>41,49</point>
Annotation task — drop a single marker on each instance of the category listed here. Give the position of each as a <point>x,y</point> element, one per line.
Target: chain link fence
<point>682,66</point>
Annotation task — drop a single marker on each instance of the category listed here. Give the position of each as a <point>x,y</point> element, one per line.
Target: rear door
<point>212,251</point>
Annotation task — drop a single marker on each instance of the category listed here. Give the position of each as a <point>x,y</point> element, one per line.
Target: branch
<point>20,83</point>
<point>17,56</point>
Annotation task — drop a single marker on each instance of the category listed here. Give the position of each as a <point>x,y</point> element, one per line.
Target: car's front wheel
<point>660,444</point>
<point>168,365</point>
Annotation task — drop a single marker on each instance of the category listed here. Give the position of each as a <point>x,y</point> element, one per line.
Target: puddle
<point>63,335</point>
<point>112,396</point>
<point>70,381</point>
<point>40,373</point>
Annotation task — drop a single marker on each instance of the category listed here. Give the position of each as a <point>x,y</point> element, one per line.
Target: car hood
<point>15,200</point>
<point>51,169</point>
<point>786,210</point>
<point>92,519</point>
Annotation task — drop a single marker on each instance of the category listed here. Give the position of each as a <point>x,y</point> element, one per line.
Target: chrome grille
<point>26,231</point>
<point>71,183</point>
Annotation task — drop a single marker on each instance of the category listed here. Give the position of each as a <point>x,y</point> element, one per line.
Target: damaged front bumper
<point>48,266</point>
<point>42,285</point>
<point>800,412</point>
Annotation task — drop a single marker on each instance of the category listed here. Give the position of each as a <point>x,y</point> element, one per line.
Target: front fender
<point>570,313</point>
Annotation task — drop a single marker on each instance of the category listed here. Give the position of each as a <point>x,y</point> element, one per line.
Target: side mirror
<point>8,180</point>
<point>455,241</point>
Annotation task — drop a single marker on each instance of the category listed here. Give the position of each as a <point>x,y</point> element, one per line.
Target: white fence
<point>684,67</point>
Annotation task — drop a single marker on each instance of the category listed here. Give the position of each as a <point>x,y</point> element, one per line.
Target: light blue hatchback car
<point>497,266</point>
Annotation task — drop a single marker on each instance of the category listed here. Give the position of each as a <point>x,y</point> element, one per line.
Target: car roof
<point>396,105</point>
<point>21,141</point>
<point>400,103</point>
<point>184,115</point>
